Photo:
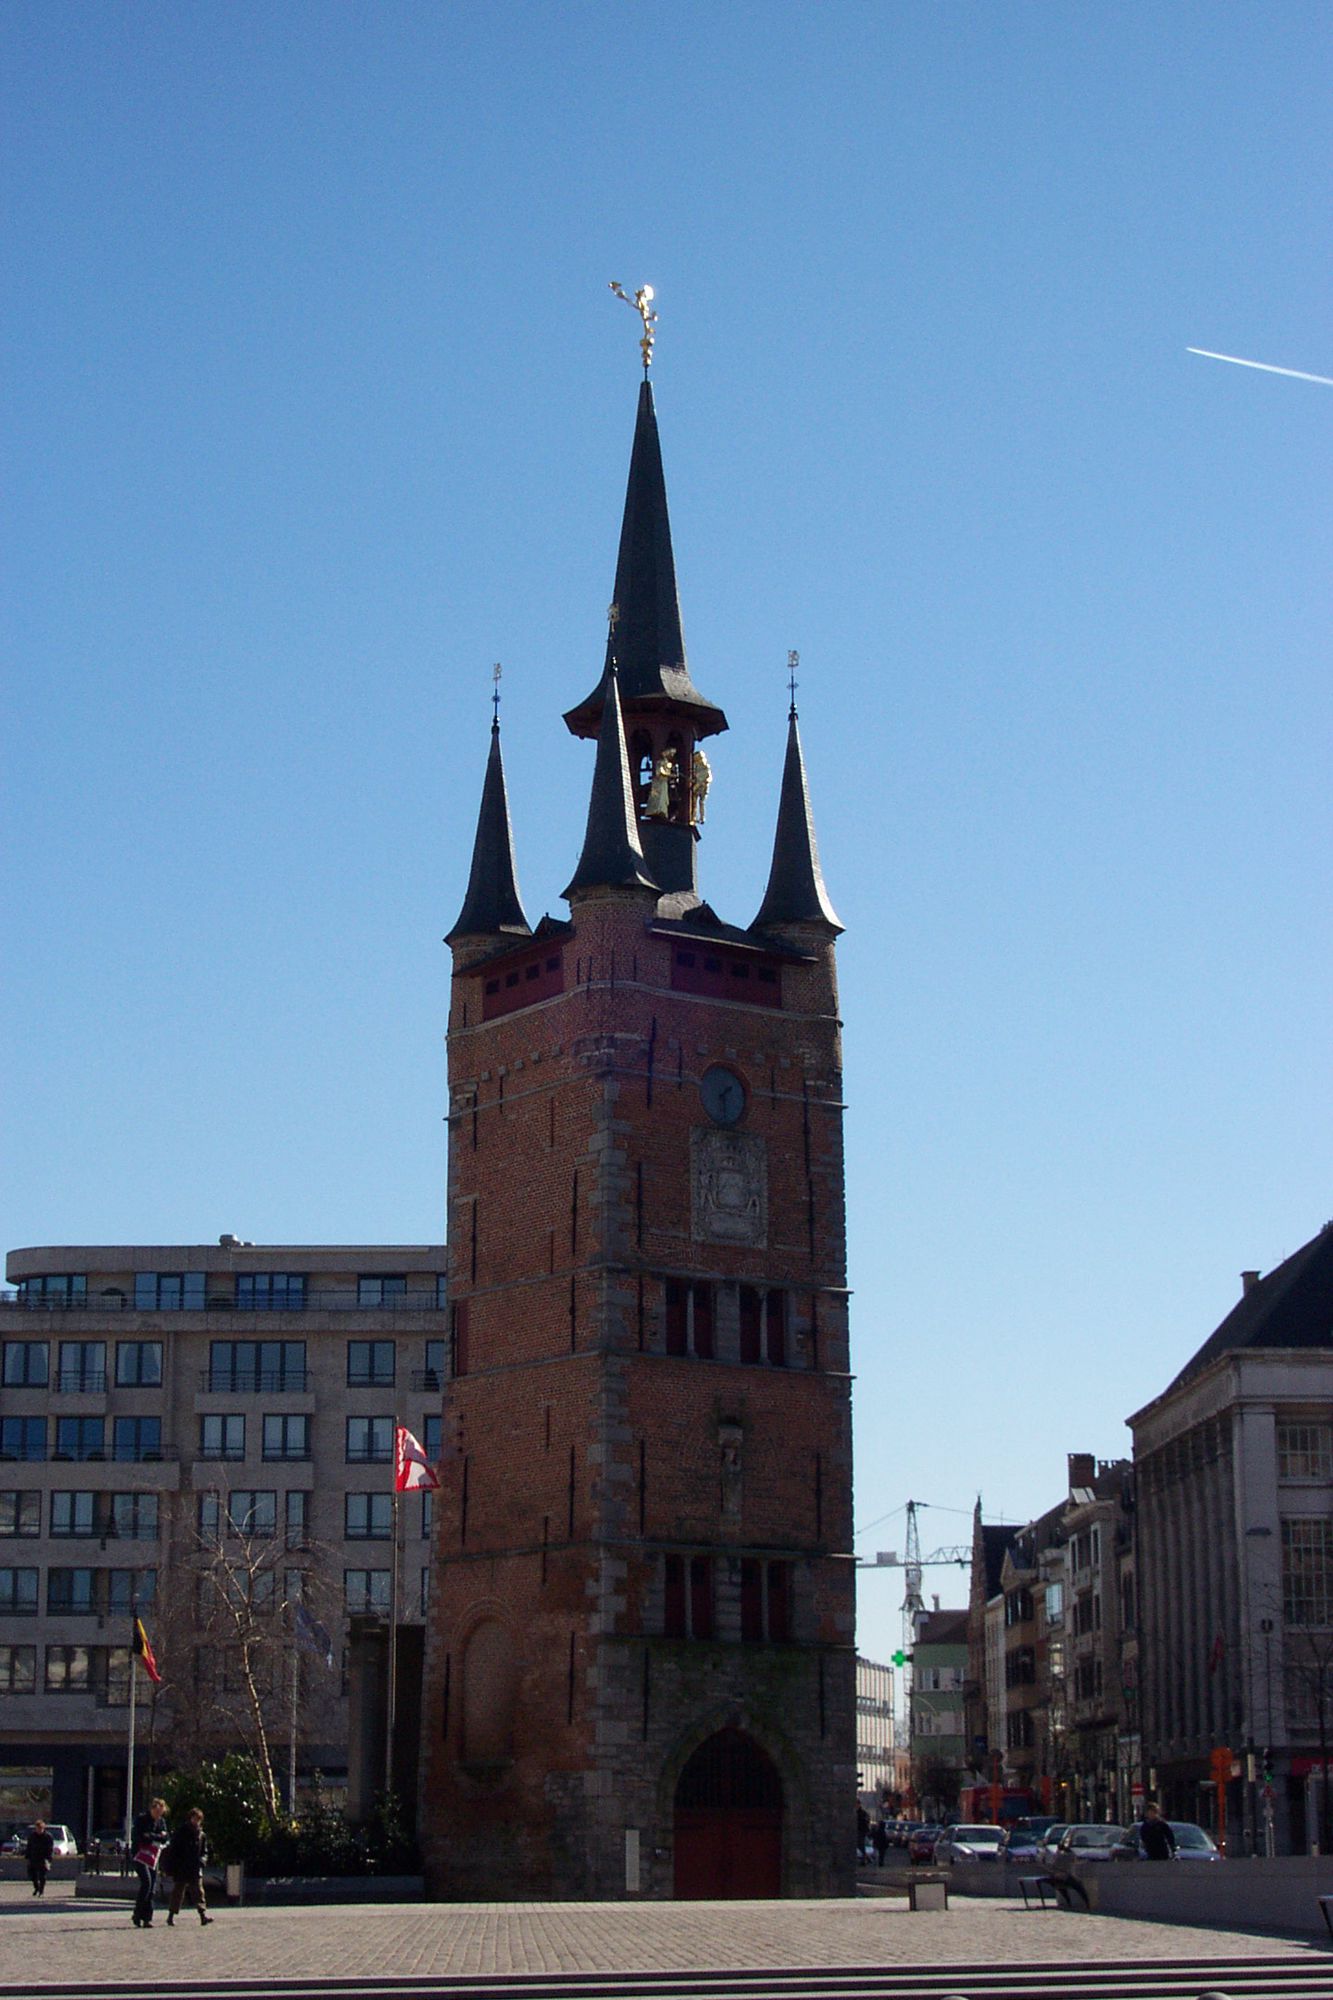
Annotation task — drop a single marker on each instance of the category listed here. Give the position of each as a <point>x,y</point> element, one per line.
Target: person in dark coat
<point>185,1857</point>
<point>39,1854</point>
<point>1155,1836</point>
<point>146,1843</point>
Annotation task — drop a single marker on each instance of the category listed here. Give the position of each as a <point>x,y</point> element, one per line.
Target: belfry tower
<point>640,1668</point>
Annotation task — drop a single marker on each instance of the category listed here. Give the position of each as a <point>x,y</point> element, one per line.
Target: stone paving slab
<point>63,1940</point>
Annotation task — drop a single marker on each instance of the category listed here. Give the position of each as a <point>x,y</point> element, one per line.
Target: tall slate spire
<point>646,641</point>
<point>795,892</point>
<point>491,906</point>
<point>612,856</point>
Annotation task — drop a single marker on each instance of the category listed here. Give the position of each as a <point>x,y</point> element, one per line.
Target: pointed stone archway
<point>728,1821</point>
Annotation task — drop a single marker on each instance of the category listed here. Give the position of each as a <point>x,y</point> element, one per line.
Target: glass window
<point>20,1513</point>
<point>80,1437</point>
<point>61,1288</point>
<point>286,1437</point>
<point>296,1517</point>
<point>247,1365</point>
<point>22,1437</point>
<point>222,1437</point>
<point>26,1363</point>
<point>380,1291</point>
<point>138,1364</point>
<point>169,1291</point>
<point>1307,1571</point>
<point>270,1291</point>
<point>432,1437</point>
<point>435,1364</point>
<point>138,1438</point>
<point>134,1516</point>
<point>82,1366</point>
<point>210,1517</point>
<point>111,1675</point>
<point>128,1588</point>
<point>70,1592</point>
<point>366,1590</point>
<point>369,1440</point>
<point>427,1515</point>
<point>370,1364</point>
<point>18,1593</point>
<point>369,1517</point>
<point>74,1516</point>
<point>441,1291</point>
<point>253,1514</point>
<point>67,1670</point>
<point>18,1669</point>
<point>1305,1451</point>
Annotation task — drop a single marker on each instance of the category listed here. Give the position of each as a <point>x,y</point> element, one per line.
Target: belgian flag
<point>143,1651</point>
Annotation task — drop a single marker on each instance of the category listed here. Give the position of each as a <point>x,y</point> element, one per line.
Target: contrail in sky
<point>1267,366</point>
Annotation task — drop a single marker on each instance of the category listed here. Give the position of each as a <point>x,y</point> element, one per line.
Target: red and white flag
<point>412,1470</point>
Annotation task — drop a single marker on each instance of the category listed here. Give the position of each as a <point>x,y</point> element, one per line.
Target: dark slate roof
<point>547,929</point>
<point>995,1541</point>
<point>699,923</point>
<point>491,904</point>
<point>943,1628</point>
<point>795,892</point>
<point>1291,1307</point>
<point>612,856</point>
<point>647,644</point>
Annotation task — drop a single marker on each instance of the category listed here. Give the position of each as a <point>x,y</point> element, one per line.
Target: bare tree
<point>1310,1692</point>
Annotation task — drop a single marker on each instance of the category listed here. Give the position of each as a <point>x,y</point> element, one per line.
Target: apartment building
<point>878,1762</point>
<point>160,1401</point>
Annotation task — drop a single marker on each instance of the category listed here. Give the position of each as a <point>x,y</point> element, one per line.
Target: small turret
<point>795,892</point>
<point>491,908</point>
<point>612,856</point>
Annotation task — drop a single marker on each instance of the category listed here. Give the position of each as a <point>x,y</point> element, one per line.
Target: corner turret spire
<point>491,907</point>
<point>612,856</point>
<point>795,892</point>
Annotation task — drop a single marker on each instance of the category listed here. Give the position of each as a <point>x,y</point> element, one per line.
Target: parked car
<point>1192,1843</point>
<point>65,1843</point>
<point>921,1842</point>
<point>1049,1841</point>
<point>1021,1837</point>
<point>968,1844</point>
<point>1086,1843</point>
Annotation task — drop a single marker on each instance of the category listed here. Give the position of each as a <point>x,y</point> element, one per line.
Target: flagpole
<point>129,1760</point>
<point>393,1630</point>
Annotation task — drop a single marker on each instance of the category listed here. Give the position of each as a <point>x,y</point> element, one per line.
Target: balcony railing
<point>81,1382</point>
<point>291,1381</point>
<point>217,1302</point>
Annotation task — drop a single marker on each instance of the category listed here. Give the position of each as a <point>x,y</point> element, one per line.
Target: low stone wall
<point>335,1889</point>
<point>1253,1895</point>
<point>13,1868</point>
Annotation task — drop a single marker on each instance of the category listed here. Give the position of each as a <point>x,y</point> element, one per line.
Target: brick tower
<point>640,1669</point>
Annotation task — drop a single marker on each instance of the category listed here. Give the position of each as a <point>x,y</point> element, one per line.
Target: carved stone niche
<point>728,1187</point>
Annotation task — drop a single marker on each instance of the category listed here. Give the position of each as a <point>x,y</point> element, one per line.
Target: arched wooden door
<point>729,1820</point>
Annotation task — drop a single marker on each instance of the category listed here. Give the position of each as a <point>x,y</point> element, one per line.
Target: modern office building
<point>167,1410</point>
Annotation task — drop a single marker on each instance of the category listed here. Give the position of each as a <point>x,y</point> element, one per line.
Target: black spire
<point>795,892</point>
<point>491,906</point>
<point>645,641</point>
<point>612,856</point>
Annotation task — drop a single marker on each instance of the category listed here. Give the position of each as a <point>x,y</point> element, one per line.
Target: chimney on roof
<point>935,1601</point>
<point>229,1242</point>
<point>1082,1469</point>
<point>1248,1281</point>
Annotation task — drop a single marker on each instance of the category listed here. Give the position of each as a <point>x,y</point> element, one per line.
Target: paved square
<point>63,1939</point>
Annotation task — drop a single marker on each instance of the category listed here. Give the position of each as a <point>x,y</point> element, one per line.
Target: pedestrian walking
<point>879,1833</point>
<point>1156,1837</point>
<point>146,1843</point>
<point>186,1854</point>
<point>39,1854</point>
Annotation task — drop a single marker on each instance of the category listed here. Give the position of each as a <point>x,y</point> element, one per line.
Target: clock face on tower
<point>722,1094</point>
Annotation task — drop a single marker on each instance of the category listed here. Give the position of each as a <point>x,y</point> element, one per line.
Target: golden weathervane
<point>642,303</point>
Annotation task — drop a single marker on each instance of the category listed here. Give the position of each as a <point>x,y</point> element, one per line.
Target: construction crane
<point>912,1563</point>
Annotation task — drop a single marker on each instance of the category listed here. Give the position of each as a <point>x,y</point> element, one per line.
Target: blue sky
<point>318,404</point>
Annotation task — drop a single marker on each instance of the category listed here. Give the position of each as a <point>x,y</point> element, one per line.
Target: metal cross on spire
<point>642,303</point>
<point>793,662</point>
<point>496,672</point>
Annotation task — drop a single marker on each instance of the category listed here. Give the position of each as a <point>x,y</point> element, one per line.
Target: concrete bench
<point>1040,1886</point>
<point>928,1895</point>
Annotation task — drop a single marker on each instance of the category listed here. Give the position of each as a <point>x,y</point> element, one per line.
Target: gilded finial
<point>642,303</point>
<point>793,662</point>
<point>496,672</point>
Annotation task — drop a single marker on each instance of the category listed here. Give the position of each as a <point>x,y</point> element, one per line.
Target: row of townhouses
<point>1166,1629</point>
